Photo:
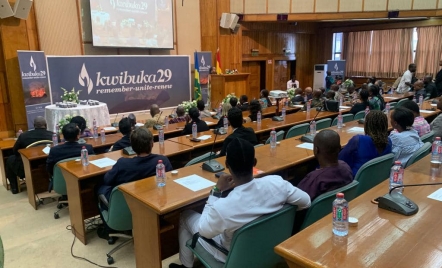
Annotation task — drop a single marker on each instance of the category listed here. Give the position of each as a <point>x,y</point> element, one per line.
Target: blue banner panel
<point>124,83</point>
<point>337,69</point>
<point>205,64</point>
<point>34,77</point>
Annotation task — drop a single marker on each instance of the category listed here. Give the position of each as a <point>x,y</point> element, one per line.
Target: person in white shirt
<point>293,82</point>
<point>405,84</point>
<point>249,199</point>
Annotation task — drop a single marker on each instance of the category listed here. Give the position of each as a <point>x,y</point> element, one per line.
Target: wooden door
<point>280,77</point>
<point>254,69</point>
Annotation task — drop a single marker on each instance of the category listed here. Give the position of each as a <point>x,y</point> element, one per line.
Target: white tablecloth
<point>100,113</point>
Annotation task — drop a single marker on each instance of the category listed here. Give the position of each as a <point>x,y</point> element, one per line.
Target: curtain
<point>428,50</point>
<point>357,53</point>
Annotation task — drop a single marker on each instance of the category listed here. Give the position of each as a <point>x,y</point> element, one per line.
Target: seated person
<point>14,165</point>
<point>330,95</point>
<point>376,100</point>
<point>70,148</point>
<point>249,199</point>
<point>244,103</point>
<point>316,101</point>
<point>180,115</point>
<point>419,90</point>
<point>436,124</point>
<point>363,102</point>
<point>133,120</point>
<point>235,120</point>
<point>81,123</point>
<point>420,124</point>
<point>202,109</point>
<point>157,118</point>
<point>363,148</point>
<point>406,140</point>
<point>200,124</point>
<point>430,87</point>
<point>224,111</point>
<point>265,101</point>
<point>298,98</point>
<point>353,96</point>
<point>233,101</point>
<point>125,127</point>
<point>332,173</point>
<point>335,88</point>
<point>308,91</point>
<point>254,108</point>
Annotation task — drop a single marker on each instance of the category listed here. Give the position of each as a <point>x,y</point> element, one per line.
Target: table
<point>80,182</point>
<point>6,147</point>
<point>382,238</point>
<point>100,113</point>
<point>396,96</point>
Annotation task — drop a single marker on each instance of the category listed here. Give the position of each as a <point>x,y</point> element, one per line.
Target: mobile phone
<point>218,174</point>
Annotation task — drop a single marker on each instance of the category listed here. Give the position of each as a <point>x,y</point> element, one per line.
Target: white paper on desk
<point>194,182</point>
<point>139,124</point>
<point>209,123</point>
<point>426,112</point>
<point>298,105</point>
<point>436,195</point>
<point>356,129</point>
<point>205,137</point>
<point>109,128</point>
<point>344,107</point>
<point>103,162</point>
<point>46,150</point>
<point>306,145</point>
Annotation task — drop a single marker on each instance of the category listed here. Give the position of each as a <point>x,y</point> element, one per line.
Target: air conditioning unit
<point>320,73</point>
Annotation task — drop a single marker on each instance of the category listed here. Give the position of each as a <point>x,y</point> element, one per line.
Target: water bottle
<point>341,101</point>
<point>340,215</point>
<point>220,108</point>
<point>396,176</point>
<point>258,117</point>
<point>161,174</point>
<point>313,128</point>
<point>305,98</point>
<point>387,108</point>
<point>226,123</point>
<point>19,132</point>
<point>308,107</point>
<point>103,135</point>
<point>54,139</point>
<point>436,152</point>
<point>84,156</point>
<point>194,130</point>
<point>367,111</point>
<point>161,136</point>
<point>94,123</point>
<point>283,112</point>
<point>166,121</point>
<point>421,100</point>
<point>273,138</point>
<point>95,133</point>
<point>340,120</point>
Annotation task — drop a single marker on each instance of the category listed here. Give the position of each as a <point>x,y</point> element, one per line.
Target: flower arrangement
<point>347,83</point>
<point>188,104</point>
<point>291,93</point>
<point>70,96</point>
<point>64,121</point>
<point>228,97</point>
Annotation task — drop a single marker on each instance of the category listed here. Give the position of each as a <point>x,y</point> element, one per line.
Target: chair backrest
<point>359,115</point>
<point>393,105</point>
<point>322,205</point>
<point>374,172</point>
<point>58,182</point>
<point>258,145</point>
<point>345,118</point>
<point>118,215</point>
<point>399,104</point>
<point>252,245</point>
<point>419,154</point>
<point>429,137</point>
<point>200,159</point>
<point>297,130</point>
<point>323,123</point>
<point>279,136</point>
<point>39,143</point>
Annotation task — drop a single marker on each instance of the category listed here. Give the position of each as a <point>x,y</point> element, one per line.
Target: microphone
<point>172,114</point>
<point>398,203</point>
<point>308,137</point>
<point>115,124</point>
<point>213,165</point>
<point>158,126</point>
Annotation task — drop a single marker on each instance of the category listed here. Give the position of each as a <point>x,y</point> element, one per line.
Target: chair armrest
<point>210,242</point>
<point>102,199</point>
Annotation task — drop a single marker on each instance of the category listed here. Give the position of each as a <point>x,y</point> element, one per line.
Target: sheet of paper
<point>356,129</point>
<point>209,123</point>
<point>46,150</point>
<point>139,124</point>
<point>103,162</point>
<point>344,107</point>
<point>434,104</point>
<point>298,105</point>
<point>426,112</point>
<point>306,145</point>
<point>436,195</point>
<point>109,128</point>
<point>205,137</point>
<point>194,182</point>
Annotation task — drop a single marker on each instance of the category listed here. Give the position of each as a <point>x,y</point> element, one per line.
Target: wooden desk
<point>396,96</point>
<point>6,147</point>
<point>382,238</point>
<point>80,182</point>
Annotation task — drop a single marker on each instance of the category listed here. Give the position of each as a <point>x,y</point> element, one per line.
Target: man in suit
<point>244,103</point>
<point>125,127</point>
<point>430,87</point>
<point>14,165</point>
<point>200,124</point>
<point>298,98</point>
<point>70,148</point>
<point>156,117</point>
<point>235,118</point>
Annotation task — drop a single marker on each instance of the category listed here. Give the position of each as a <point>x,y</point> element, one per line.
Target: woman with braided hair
<point>362,148</point>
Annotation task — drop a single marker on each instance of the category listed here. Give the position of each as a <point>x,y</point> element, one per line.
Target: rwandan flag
<point>197,85</point>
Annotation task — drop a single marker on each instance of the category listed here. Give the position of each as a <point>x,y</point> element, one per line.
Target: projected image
<point>132,23</point>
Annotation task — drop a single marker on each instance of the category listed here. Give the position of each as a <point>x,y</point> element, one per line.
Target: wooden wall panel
<point>278,6</point>
<point>399,4</point>
<point>304,59</point>
<point>303,6</point>
<point>188,28</point>
<point>350,5</point>
<point>378,5</point>
<point>425,4</point>
<point>326,6</point>
<point>237,6</point>
<point>439,5</point>
<point>254,6</point>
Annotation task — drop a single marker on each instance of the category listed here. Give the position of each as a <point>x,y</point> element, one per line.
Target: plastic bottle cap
<point>397,162</point>
<point>340,195</point>
<point>160,161</point>
<point>84,147</point>
<point>438,138</point>
<point>174,172</point>
<point>352,221</point>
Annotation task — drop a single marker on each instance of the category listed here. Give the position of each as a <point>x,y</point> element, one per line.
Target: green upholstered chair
<point>393,105</point>
<point>297,130</point>
<point>59,186</point>
<point>118,217</point>
<point>374,172</point>
<point>200,159</point>
<point>323,123</point>
<point>252,245</point>
<point>322,205</point>
<point>429,137</point>
<point>399,104</point>
<point>279,136</point>
<point>345,118</point>
<point>359,115</point>
<point>419,154</point>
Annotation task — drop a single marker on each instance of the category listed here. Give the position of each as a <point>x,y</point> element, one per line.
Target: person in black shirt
<point>233,101</point>
<point>430,87</point>
<point>254,108</point>
<point>125,127</point>
<point>14,165</point>
<point>243,103</point>
<point>361,106</point>
<point>239,131</point>
<point>200,124</point>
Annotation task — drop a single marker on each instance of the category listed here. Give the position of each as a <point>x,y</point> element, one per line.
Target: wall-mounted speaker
<point>5,9</point>
<point>22,8</point>
<point>228,21</point>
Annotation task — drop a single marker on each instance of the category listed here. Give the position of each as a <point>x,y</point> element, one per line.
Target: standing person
<point>265,101</point>
<point>14,164</point>
<point>329,80</point>
<point>244,103</point>
<point>200,124</point>
<point>249,199</point>
<point>439,80</point>
<point>430,87</point>
<point>363,148</point>
<point>376,100</point>
<point>406,81</point>
<point>293,83</point>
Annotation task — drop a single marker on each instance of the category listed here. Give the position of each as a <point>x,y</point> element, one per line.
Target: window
<point>414,43</point>
<point>337,46</point>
